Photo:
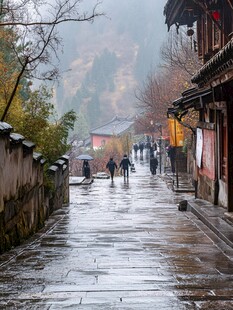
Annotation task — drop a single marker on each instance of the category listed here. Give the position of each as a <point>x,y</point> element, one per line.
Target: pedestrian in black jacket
<point>125,163</point>
<point>153,165</point>
<point>111,166</point>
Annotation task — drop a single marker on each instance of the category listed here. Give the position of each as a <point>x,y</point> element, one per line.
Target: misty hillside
<point>106,60</point>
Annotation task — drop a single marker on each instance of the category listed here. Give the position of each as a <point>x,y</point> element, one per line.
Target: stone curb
<point>214,218</point>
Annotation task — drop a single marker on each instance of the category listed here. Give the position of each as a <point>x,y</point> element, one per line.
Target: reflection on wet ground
<point>119,245</point>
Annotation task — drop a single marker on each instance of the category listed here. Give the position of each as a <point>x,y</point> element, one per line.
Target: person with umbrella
<point>111,166</point>
<point>84,157</point>
<point>86,169</point>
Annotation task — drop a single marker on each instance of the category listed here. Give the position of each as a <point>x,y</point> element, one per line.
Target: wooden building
<point>212,94</point>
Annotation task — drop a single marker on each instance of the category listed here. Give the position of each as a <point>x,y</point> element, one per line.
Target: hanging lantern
<point>190,32</point>
<point>216,15</point>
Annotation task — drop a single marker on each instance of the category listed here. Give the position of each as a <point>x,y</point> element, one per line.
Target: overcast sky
<point>133,29</point>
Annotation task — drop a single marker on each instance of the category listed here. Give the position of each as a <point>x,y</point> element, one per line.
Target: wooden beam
<point>229,155</point>
<point>206,10</point>
<point>231,5</point>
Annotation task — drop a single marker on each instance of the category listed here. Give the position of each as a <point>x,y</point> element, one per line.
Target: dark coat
<point>153,165</point>
<point>125,163</point>
<point>111,165</point>
<point>154,162</point>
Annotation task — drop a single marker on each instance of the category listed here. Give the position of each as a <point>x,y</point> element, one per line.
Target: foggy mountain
<point>105,61</point>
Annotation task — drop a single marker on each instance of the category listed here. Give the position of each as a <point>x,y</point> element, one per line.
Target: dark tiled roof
<point>169,10</point>
<point>192,98</point>
<point>5,128</point>
<point>116,126</point>
<point>169,6</point>
<point>183,12</point>
<point>177,12</point>
<point>171,3</point>
<point>16,138</point>
<point>218,64</point>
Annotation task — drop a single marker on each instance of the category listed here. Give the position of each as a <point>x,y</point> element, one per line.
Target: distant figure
<point>154,145</point>
<point>153,148</point>
<point>86,169</point>
<point>151,151</point>
<point>153,165</point>
<point>111,166</point>
<point>141,147</point>
<point>171,152</point>
<point>125,163</point>
<point>135,147</point>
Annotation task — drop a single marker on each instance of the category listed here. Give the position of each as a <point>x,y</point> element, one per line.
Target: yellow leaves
<point>186,85</point>
<point>15,114</point>
<point>8,78</point>
<point>114,146</point>
<point>118,146</point>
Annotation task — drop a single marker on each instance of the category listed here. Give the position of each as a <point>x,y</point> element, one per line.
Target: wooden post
<point>230,155</point>
<point>177,175</point>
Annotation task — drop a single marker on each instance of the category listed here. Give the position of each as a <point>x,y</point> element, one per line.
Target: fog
<point>105,61</point>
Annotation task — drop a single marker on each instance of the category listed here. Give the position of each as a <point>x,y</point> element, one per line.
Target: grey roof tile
<point>116,126</point>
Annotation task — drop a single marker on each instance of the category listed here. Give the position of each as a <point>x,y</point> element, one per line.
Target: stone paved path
<point>121,245</point>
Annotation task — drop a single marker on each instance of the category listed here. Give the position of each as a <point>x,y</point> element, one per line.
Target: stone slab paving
<point>120,245</point>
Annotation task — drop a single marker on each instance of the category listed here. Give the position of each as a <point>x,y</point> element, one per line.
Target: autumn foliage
<point>163,86</point>
<point>116,148</point>
<point>30,112</point>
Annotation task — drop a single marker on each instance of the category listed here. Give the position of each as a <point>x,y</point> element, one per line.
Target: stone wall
<point>25,201</point>
<point>59,176</point>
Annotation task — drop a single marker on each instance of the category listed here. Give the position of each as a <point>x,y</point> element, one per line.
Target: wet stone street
<point>120,245</point>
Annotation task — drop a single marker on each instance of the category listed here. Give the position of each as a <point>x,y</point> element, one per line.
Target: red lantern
<point>216,15</point>
<point>190,32</point>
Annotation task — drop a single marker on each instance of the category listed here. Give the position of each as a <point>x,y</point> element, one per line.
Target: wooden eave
<point>217,65</point>
<point>176,12</point>
<point>172,11</point>
<point>193,98</point>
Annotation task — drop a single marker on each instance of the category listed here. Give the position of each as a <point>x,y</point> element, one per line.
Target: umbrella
<point>84,157</point>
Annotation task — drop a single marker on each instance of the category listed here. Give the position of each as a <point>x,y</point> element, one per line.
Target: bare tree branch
<point>231,5</point>
<point>35,22</point>
<point>179,52</point>
<point>30,13</point>
<point>153,97</point>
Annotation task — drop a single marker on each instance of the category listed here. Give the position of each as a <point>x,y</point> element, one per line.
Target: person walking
<point>111,166</point>
<point>135,147</point>
<point>153,165</point>
<point>125,163</point>
<point>171,152</point>
<point>141,148</point>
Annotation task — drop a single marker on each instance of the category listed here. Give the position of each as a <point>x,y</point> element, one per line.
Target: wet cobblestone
<point>120,245</point>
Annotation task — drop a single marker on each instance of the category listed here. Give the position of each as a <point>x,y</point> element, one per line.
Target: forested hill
<point>107,59</point>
